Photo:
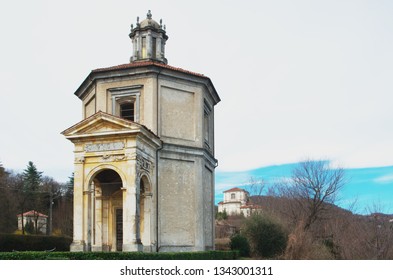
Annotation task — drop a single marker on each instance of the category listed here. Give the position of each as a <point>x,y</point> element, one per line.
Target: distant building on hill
<point>39,220</point>
<point>236,202</point>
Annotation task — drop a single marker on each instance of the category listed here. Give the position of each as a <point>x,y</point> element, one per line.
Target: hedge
<point>208,255</point>
<point>14,242</point>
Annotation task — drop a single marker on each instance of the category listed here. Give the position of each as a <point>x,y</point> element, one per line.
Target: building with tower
<point>144,153</point>
<point>237,202</point>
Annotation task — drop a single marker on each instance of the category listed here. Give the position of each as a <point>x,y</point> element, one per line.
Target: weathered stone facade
<point>144,154</point>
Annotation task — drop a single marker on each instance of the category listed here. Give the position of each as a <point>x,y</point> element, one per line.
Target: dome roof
<point>149,22</point>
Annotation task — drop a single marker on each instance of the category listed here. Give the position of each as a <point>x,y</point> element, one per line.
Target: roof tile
<point>235,190</point>
<point>146,63</point>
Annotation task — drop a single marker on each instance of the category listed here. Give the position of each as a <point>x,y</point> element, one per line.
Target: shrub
<point>29,227</point>
<point>222,215</point>
<point>267,237</point>
<point>208,255</point>
<point>13,242</point>
<point>302,246</point>
<point>240,243</point>
<point>57,232</point>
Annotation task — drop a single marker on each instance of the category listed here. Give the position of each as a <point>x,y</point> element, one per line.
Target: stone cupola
<point>148,39</point>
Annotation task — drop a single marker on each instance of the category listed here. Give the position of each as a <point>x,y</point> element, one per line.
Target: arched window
<point>233,196</point>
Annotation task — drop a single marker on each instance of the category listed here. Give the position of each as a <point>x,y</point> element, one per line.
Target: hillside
<point>349,236</point>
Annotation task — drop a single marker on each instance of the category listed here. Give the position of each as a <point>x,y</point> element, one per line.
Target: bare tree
<point>314,187</point>
<point>255,189</point>
<point>52,191</point>
<point>20,197</point>
<point>8,208</point>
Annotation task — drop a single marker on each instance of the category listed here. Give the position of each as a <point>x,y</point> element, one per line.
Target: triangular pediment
<point>101,124</point>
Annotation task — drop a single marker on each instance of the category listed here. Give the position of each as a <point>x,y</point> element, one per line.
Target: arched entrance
<point>145,208</point>
<point>107,211</point>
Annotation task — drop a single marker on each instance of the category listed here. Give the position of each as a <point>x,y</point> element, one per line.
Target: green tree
<point>31,178</point>
<point>240,243</point>
<point>70,186</point>
<point>32,182</point>
<point>267,237</point>
<point>222,215</point>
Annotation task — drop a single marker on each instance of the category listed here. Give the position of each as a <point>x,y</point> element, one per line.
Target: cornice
<point>143,68</point>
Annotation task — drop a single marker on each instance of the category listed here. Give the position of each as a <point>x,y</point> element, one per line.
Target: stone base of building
<point>78,246</point>
<point>136,247</point>
<point>100,248</point>
<point>106,248</point>
<point>149,249</point>
<point>169,248</point>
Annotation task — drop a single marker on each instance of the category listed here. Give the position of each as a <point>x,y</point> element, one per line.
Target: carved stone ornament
<point>120,158</point>
<point>80,159</point>
<point>107,158</point>
<point>143,164</point>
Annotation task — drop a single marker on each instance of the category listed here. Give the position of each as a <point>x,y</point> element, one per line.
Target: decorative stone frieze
<point>111,158</point>
<point>102,147</point>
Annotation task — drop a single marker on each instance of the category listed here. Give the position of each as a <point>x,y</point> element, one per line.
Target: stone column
<point>159,53</point>
<point>97,246</point>
<point>146,238</point>
<point>138,41</point>
<point>131,241</point>
<point>135,45</point>
<point>137,111</point>
<point>105,224</point>
<point>149,43</point>
<point>78,243</point>
<point>163,48</point>
<point>88,217</point>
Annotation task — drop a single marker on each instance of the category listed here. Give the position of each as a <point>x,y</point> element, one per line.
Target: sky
<point>367,190</point>
<point>298,79</point>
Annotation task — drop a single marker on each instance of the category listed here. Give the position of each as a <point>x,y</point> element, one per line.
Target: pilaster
<point>97,241</point>
<point>78,243</point>
<point>131,241</point>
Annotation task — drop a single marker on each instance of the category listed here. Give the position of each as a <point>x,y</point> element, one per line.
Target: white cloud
<point>384,179</point>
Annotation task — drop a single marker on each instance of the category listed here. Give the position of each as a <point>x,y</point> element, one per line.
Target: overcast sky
<point>297,79</point>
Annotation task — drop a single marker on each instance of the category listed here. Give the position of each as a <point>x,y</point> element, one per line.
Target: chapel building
<point>144,153</point>
<point>237,202</point>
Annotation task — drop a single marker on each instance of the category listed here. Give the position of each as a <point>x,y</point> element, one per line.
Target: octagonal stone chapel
<point>144,153</point>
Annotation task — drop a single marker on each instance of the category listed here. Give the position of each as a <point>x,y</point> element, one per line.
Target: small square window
<point>125,102</point>
<point>127,111</point>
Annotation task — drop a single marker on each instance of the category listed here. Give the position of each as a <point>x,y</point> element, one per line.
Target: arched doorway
<point>107,211</point>
<point>145,208</point>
